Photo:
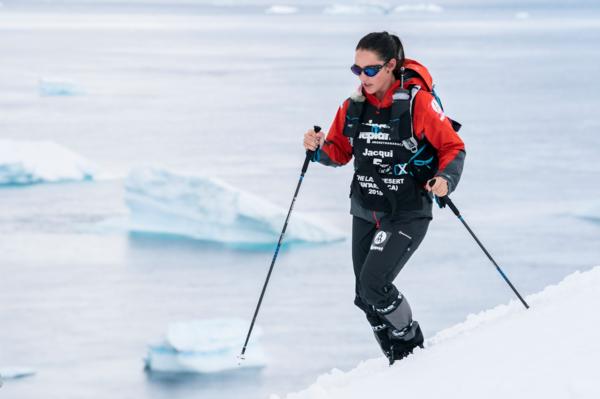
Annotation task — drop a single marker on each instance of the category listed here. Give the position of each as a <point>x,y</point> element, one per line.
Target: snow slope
<point>548,351</point>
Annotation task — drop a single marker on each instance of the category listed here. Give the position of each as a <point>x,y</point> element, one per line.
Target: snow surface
<point>548,351</point>
<point>28,162</point>
<point>205,346</point>
<point>208,209</point>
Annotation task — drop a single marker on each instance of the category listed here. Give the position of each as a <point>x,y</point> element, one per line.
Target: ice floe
<point>49,87</point>
<point>419,7</point>
<point>283,10</point>
<point>12,373</point>
<point>207,209</point>
<point>205,346</point>
<point>356,9</point>
<point>589,212</point>
<point>28,162</point>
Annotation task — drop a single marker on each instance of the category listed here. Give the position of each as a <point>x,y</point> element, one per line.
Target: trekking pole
<point>443,201</point>
<point>309,155</point>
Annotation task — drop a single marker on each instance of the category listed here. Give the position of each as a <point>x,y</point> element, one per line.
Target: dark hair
<point>386,46</point>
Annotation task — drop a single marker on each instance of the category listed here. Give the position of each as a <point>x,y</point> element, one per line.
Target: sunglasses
<point>370,70</point>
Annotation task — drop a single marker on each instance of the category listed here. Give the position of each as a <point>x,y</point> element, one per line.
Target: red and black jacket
<point>429,125</point>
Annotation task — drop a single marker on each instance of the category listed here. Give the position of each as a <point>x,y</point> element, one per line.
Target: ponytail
<point>399,57</point>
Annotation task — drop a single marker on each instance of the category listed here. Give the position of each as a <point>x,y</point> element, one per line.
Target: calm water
<point>230,94</point>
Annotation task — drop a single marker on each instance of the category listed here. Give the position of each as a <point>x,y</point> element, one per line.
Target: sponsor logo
<point>436,107</point>
<point>374,136</point>
<point>380,153</point>
<point>379,241</point>
<point>380,237</point>
<point>400,169</point>
<point>384,169</point>
<point>376,127</point>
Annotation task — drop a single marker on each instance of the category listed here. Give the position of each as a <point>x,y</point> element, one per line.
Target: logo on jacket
<point>436,107</point>
<point>400,169</point>
<point>373,136</point>
<point>380,240</point>
<point>376,132</point>
<point>376,127</point>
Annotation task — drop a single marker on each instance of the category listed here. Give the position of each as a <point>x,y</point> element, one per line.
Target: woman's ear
<point>391,65</point>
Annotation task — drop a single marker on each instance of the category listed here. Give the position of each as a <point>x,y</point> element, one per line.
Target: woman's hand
<point>312,140</point>
<point>439,188</point>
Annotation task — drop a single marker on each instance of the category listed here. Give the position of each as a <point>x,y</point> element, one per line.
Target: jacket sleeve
<point>336,150</point>
<point>429,121</point>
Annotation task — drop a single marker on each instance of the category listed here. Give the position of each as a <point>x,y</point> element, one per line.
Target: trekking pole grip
<point>309,153</point>
<point>445,200</point>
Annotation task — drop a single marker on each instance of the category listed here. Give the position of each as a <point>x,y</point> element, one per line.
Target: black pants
<point>379,252</point>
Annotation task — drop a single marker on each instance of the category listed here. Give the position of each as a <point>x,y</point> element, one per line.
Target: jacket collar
<point>387,97</point>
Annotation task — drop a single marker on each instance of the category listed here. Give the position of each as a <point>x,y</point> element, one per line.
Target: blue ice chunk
<point>207,209</point>
<point>10,373</point>
<point>281,10</point>
<point>356,9</point>
<point>30,162</point>
<point>205,346</point>
<point>58,87</point>
<point>418,8</point>
<point>589,212</point>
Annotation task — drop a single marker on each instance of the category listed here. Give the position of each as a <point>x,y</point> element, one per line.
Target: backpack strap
<point>400,115</point>
<point>401,119</point>
<point>354,113</point>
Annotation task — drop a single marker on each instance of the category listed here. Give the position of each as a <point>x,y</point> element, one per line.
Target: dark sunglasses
<point>370,70</point>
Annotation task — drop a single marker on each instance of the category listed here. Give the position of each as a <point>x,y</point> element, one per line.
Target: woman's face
<point>384,78</point>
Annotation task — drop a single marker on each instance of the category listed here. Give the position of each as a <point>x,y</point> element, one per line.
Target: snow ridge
<point>548,351</point>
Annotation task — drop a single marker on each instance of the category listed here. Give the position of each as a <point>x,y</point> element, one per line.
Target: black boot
<point>403,342</point>
<point>381,332</point>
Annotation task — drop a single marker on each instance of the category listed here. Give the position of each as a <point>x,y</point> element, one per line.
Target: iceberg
<point>12,373</point>
<point>356,9</point>
<point>207,209</point>
<point>282,10</point>
<point>522,15</point>
<point>31,162</point>
<point>205,346</point>
<point>49,87</point>
<point>432,8</point>
<point>589,212</point>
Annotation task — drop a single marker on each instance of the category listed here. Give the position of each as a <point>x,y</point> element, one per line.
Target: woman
<point>405,149</point>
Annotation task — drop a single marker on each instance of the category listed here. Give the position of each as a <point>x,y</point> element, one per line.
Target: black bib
<point>391,165</point>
